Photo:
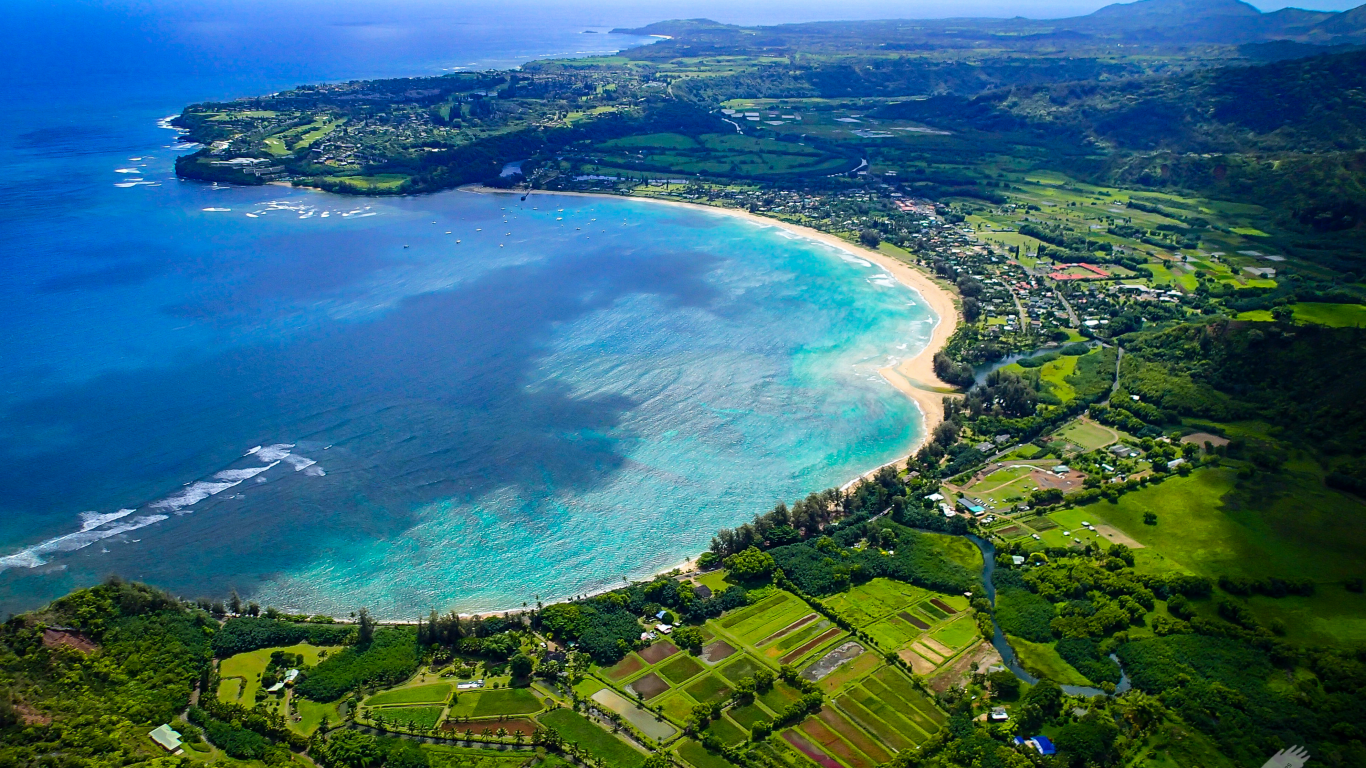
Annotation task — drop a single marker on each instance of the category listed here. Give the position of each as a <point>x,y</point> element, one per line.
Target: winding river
<point>998,639</point>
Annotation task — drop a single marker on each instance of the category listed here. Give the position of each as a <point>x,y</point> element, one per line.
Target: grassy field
<point>1287,525</point>
<point>1042,661</point>
<point>421,718</point>
<point>249,666</point>
<point>432,693</point>
<point>697,756</point>
<point>377,182</point>
<point>495,703</point>
<point>312,714</point>
<point>1334,315</point>
<point>578,730</point>
<point>1088,434</point>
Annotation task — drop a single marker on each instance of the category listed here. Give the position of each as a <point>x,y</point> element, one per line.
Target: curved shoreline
<point>914,377</point>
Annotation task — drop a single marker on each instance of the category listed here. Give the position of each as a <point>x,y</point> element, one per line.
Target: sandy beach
<point>914,376</point>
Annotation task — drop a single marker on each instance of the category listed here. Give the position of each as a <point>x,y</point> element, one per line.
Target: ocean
<point>453,401</point>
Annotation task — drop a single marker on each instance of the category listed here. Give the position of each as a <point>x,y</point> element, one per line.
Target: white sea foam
<point>218,209</point>
<point>92,520</point>
<point>90,532</point>
<point>193,494</point>
<point>128,170</point>
<point>242,474</point>
<point>276,452</point>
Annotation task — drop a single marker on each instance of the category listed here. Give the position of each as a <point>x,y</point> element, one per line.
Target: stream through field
<point>998,639</point>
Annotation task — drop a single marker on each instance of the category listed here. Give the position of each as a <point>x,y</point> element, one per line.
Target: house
<point>935,497</point>
<point>1174,463</point>
<point>665,628</point>
<point>290,676</point>
<point>702,591</point>
<point>166,738</point>
<point>974,509</point>
<point>1043,744</point>
<point>1017,559</point>
<point>661,613</point>
<point>946,509</point>
<point>999,715</point>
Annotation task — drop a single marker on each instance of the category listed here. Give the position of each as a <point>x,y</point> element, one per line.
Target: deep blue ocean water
<point>326,402</point>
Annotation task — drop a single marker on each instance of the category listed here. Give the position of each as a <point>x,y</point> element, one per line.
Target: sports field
<point>1088,435</point>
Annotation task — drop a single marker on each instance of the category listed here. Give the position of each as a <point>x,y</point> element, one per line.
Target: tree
<point>1150,518</point>
<point>870,237</point>
<point>366,631</point>
<point>688,638</point>
<point>750,564</point>
<point>972,309</point>
<point>235,603</point>
<point>520,665</point>
<point>351,749</point>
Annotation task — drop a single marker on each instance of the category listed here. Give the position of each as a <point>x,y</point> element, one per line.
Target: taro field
<point>926,629</point>
<point>872,711</point>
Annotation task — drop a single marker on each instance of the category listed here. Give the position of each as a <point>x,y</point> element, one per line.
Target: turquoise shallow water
<point>328,403</point>
<point>264,389</point>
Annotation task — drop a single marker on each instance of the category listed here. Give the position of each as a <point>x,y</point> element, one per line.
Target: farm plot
<point>697,756</point>
<point>793,627</point>
<point>866,603</point>
<point>717,652</point>
<point>658,652</point>
<point>418,718</point>
<point>648,686</point>
<point>788,642</point>
<point>754,610</point>
<point>642,721</point>
<point>677,706</point>
<point>838,723</point>
<point>625,668</point>
<point>813,643</point>
<point>512,726</point>
<point>957,634</point>
<point>680,669</point>
<point>763,625</point>
<point>581,732</point>
<point>729,733</point>
<point>709,688</point>
<point>739,668</point>
<point>817,731</point>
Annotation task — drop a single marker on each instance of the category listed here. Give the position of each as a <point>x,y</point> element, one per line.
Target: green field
<point>578,730</point>
<point>709,688</point>
<point>867,603</point>
<point>249,666</point>
<point>957,634</point>
<point>698,757</point>
<point>495,703</point>
<point>1088,435</point>
<point>312,714</point>
<point>1287,525</point>
<point>433,693</point>
<point>1040,660</point>
<point>421,718</point>
<point>1334,315</point>
<point>679,668</point>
